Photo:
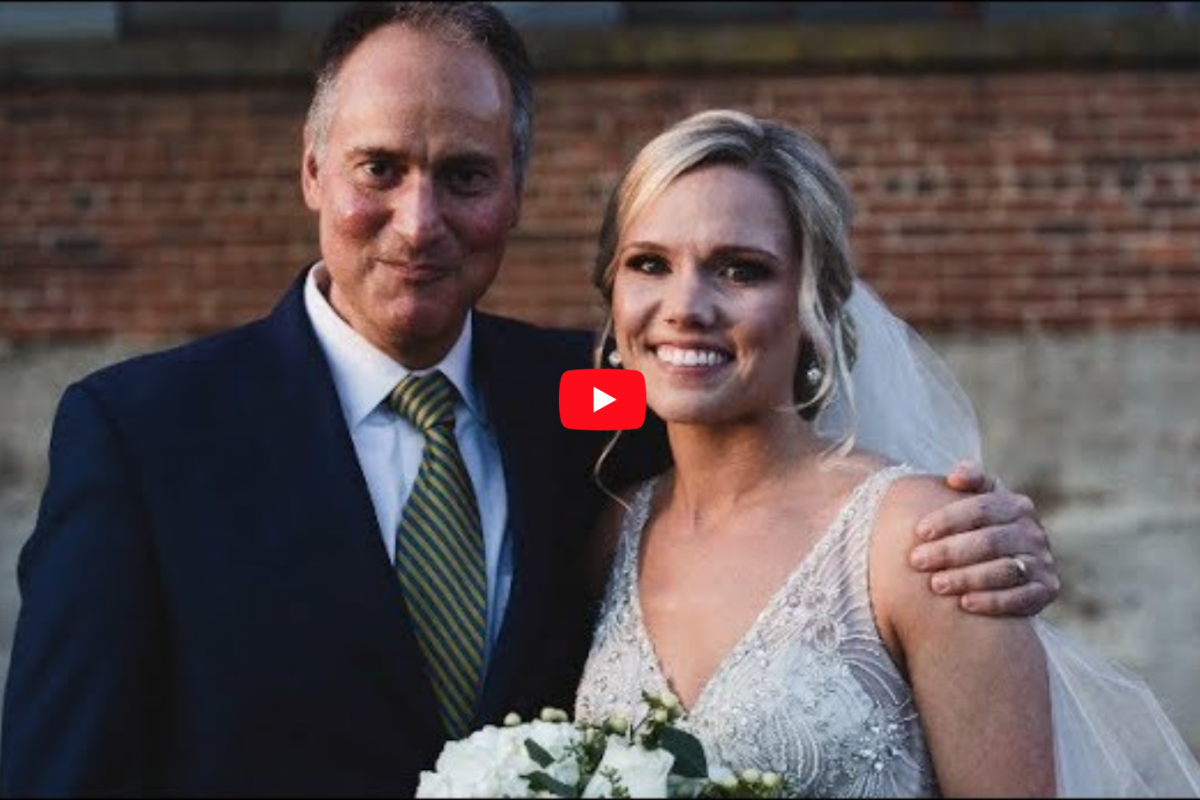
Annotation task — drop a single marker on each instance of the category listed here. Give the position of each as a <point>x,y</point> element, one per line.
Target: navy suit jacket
<point>207,604</point>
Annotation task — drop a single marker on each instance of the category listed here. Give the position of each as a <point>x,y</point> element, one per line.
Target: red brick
<point>1050,198</point>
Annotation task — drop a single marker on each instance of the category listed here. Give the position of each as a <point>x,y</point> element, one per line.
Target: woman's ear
<point>804,389</point>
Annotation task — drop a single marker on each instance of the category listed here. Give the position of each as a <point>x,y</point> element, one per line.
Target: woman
<point>763,580</point>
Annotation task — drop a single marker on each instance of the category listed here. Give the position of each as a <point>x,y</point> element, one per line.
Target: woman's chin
<point>709,411</point>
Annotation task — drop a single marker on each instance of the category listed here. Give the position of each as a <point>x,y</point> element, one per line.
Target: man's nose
<point>690,300</point>
<point>416,213</point>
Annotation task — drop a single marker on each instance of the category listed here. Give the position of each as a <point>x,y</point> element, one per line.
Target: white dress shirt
<point>389,447</point>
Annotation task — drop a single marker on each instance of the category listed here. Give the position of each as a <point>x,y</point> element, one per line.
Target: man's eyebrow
<point>462,157</point>
<point>373,151</point>
<point>468,158</point>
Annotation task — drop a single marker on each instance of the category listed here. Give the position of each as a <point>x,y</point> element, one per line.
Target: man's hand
<point>990,549</point>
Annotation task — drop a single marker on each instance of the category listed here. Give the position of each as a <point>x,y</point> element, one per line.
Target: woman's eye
<point>745,272</point>
<point>647,264</point>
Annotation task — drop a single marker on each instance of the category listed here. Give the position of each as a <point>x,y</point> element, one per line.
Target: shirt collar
<point>363,374</point>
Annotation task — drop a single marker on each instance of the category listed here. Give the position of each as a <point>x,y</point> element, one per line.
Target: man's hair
<point>464,23</point>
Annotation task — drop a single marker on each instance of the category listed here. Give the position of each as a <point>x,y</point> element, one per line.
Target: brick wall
<point>1062,197</point>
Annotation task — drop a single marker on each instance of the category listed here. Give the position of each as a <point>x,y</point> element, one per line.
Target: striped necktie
<point>439,553</point>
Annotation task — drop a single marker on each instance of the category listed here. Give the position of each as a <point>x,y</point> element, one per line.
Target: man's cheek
<point>359,216</point>
<point>487,226</point>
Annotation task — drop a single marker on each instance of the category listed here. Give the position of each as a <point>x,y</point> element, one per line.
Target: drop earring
<point>614,358</point>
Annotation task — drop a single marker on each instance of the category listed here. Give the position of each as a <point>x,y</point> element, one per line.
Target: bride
<point>763,580</point>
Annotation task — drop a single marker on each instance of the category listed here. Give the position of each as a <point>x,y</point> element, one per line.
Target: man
<point>265,564</point>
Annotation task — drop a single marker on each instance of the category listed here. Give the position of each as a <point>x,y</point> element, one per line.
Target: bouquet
<point>551,757</point>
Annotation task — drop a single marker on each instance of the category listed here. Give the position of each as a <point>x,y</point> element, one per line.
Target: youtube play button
<point>602,399</point>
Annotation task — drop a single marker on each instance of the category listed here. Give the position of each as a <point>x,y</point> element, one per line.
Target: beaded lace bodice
<point>810,691</point>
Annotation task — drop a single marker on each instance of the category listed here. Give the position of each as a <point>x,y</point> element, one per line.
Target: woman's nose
<point>690,301</point>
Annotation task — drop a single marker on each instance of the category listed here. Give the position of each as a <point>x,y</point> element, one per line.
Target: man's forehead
<point>404,58</point>
<point>398,123</point>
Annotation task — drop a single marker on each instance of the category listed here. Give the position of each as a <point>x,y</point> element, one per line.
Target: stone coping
<point>1094,44</point>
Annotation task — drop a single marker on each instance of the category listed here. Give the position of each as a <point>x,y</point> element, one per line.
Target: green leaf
<point>689,753</point>
<point>538,753</point>
<point>541,782</point>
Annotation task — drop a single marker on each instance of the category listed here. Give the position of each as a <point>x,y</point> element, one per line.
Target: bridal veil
<point>1111,736</point>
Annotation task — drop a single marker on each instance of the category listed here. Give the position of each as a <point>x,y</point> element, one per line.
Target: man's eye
<point>468,180</point>
<point>378,170</point>
<point>647,264</point>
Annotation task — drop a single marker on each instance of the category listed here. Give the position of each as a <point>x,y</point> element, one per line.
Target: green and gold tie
<point>439,553</point>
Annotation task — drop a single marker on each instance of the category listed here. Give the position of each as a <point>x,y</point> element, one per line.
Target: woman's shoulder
<point>611,523</point>
<point>912,496</point>
<point>908,498</point>
<point>898,590</point>
<point>624,503</point>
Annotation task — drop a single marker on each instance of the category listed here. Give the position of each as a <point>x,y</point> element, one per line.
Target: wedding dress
<point>810,690</point>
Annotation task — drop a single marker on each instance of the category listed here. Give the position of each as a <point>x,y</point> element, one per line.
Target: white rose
<point>555,738</point>
<point>642,772</point>
<point>482,765</point>
<point>466,767</point>
<point>435,785</point>
<point>722,776</point>
<point>492,762</point>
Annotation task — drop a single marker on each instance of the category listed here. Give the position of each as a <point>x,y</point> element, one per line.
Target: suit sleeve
<point>84,691</point>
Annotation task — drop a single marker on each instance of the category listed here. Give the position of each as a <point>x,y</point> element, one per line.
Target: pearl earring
<point>814,375</point>
<point>614,358</point>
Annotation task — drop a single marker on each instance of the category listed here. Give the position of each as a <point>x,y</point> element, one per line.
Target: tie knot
<point>426,401</point>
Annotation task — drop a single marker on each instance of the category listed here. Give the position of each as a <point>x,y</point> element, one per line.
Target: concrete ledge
<point>870,47</point>
<point>1156,43</point>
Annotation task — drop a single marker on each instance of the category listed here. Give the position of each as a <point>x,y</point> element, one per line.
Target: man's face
<point>415,189</point>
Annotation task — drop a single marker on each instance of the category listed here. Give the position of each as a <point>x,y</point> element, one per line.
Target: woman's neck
<point>720,467</point>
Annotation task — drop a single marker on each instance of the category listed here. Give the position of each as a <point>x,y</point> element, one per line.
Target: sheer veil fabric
<point>1111,736</point>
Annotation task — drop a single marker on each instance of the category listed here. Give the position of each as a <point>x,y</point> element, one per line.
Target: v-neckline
<point>776,599</point>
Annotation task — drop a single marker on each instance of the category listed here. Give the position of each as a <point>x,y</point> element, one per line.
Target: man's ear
<point>516,218</point>
<point>310,176</point>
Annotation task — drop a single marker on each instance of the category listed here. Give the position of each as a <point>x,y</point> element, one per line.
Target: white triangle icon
<point>600,399</point>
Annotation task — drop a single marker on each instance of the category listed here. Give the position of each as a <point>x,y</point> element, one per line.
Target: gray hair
<point>462,23</point>
<point>819,209</point>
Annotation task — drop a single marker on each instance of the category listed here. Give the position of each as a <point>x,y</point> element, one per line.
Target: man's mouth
<point>416,271</point>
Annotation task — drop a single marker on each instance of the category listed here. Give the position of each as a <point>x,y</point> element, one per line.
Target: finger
<point>1021,601</point>
<point>971,513</point>
<point>968,476</point>
<point>996,575</point>
<point>976,547</point>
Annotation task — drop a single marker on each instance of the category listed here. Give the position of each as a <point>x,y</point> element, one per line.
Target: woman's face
<point>705,298</point>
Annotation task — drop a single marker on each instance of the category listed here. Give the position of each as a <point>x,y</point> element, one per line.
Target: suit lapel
<point>520,402</point>
<point>342,531</point>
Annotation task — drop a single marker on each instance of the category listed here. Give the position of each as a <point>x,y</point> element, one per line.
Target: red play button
<point>602,399</point>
